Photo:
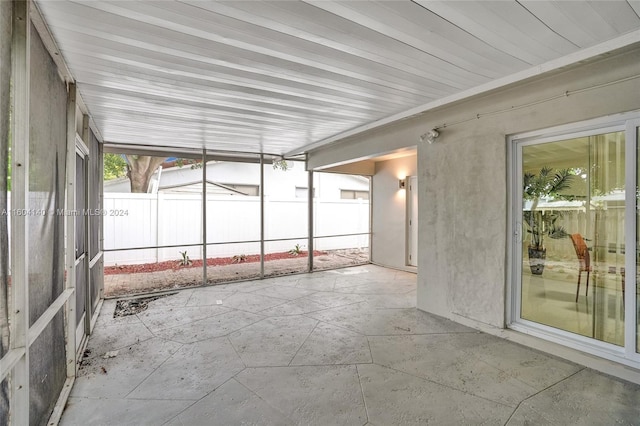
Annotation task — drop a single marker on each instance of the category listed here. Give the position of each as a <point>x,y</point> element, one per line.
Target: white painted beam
<point>10,360</point>
<point>49,42</point>
<point>204,217</point>
<point>19,317</point>
<point>87,240</point>
<point>70,232</point>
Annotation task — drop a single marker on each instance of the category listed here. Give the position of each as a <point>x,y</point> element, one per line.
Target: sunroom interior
<point>445,106</point>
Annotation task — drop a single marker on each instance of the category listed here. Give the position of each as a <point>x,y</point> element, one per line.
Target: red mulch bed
<point>174,265</point>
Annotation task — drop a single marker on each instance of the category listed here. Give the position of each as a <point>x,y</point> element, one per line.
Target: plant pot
<point>536,260</point>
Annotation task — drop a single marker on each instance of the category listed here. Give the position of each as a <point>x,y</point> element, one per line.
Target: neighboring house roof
<point>214,188</point>
<point>239,179</point>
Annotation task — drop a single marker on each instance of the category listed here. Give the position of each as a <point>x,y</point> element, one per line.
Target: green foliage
<point>545,185</point>
<point>185,261</point>
<point>281,165</point>
<point>114,166</point>
<point>194,164</point>
<point>296,251</point>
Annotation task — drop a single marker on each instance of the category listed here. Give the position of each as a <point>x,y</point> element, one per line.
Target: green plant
<point>281,165</point>
<point>115,166</point>
<point>296,251</point>
<point>185,261</point>
<point>546,185</point>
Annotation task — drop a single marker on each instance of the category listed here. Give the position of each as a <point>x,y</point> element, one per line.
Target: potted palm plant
<point>546,185</point>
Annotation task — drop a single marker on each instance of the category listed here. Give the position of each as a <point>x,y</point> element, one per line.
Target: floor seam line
<point>200,399</point>
<point>364,401</point>
<point>445,385</point>
<point>305,341</point>
<point>191,322</point>
<point>236,352</point>
<point>262,399</point>
<point>145,325</point>
<point>335,325</point>
<point>154,370</point>
<point>370,351</point>
<point>274,306</point>
<point>241,328</point>
<point>539,392</point>
<point>189,299</point>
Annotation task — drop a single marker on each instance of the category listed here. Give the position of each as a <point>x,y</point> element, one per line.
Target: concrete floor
<point>344,347</point>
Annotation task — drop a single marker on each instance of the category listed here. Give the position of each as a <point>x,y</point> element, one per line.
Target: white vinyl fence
<point>145,220</point>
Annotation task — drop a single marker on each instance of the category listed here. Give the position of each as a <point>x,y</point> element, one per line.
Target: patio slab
<point>232,404</point>
<point>273,341</point>
<point>318,395</point>
<point>334,353</point>
<point>192,372</point>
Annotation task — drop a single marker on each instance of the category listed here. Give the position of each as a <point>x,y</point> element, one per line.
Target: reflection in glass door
<point>573,245</point>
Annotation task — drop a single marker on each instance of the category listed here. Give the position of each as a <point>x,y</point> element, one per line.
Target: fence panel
<point>341,217</point>
<point>142,220</point>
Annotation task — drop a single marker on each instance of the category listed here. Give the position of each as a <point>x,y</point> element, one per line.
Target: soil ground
<point>137,279</point>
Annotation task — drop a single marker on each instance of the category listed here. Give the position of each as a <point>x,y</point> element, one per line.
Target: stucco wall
<point>462,178</point>
<point>463,182</point>
<point>388,245</point>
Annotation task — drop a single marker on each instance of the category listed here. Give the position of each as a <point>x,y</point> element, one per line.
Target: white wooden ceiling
<point>274,76</point>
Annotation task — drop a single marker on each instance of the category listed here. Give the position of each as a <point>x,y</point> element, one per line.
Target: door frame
<point>627,122</point>
<point>81,328</point>
<point>411,184</point>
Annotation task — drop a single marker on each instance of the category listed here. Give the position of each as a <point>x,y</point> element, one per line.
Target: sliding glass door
<point>575,241</point>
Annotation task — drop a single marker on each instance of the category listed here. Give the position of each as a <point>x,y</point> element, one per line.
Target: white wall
<point>462,268</point>
<point>389,210</point>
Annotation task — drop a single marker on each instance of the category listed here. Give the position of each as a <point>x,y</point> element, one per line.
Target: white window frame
<point>627,122</point>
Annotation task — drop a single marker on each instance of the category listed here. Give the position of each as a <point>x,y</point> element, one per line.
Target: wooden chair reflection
<point>582,252</point>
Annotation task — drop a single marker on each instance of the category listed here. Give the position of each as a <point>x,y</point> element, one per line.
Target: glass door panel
<point>573,247</point>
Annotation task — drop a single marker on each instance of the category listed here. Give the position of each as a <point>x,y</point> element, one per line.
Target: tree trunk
<point>140,170</point>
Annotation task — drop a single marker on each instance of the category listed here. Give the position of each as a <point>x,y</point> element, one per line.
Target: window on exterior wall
<point>302,192</point>
<point>350,194</point>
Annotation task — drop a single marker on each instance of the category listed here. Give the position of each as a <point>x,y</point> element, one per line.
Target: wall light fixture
<point>430,136</point>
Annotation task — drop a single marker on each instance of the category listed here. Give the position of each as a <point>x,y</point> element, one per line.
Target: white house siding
<point>278,183</point>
